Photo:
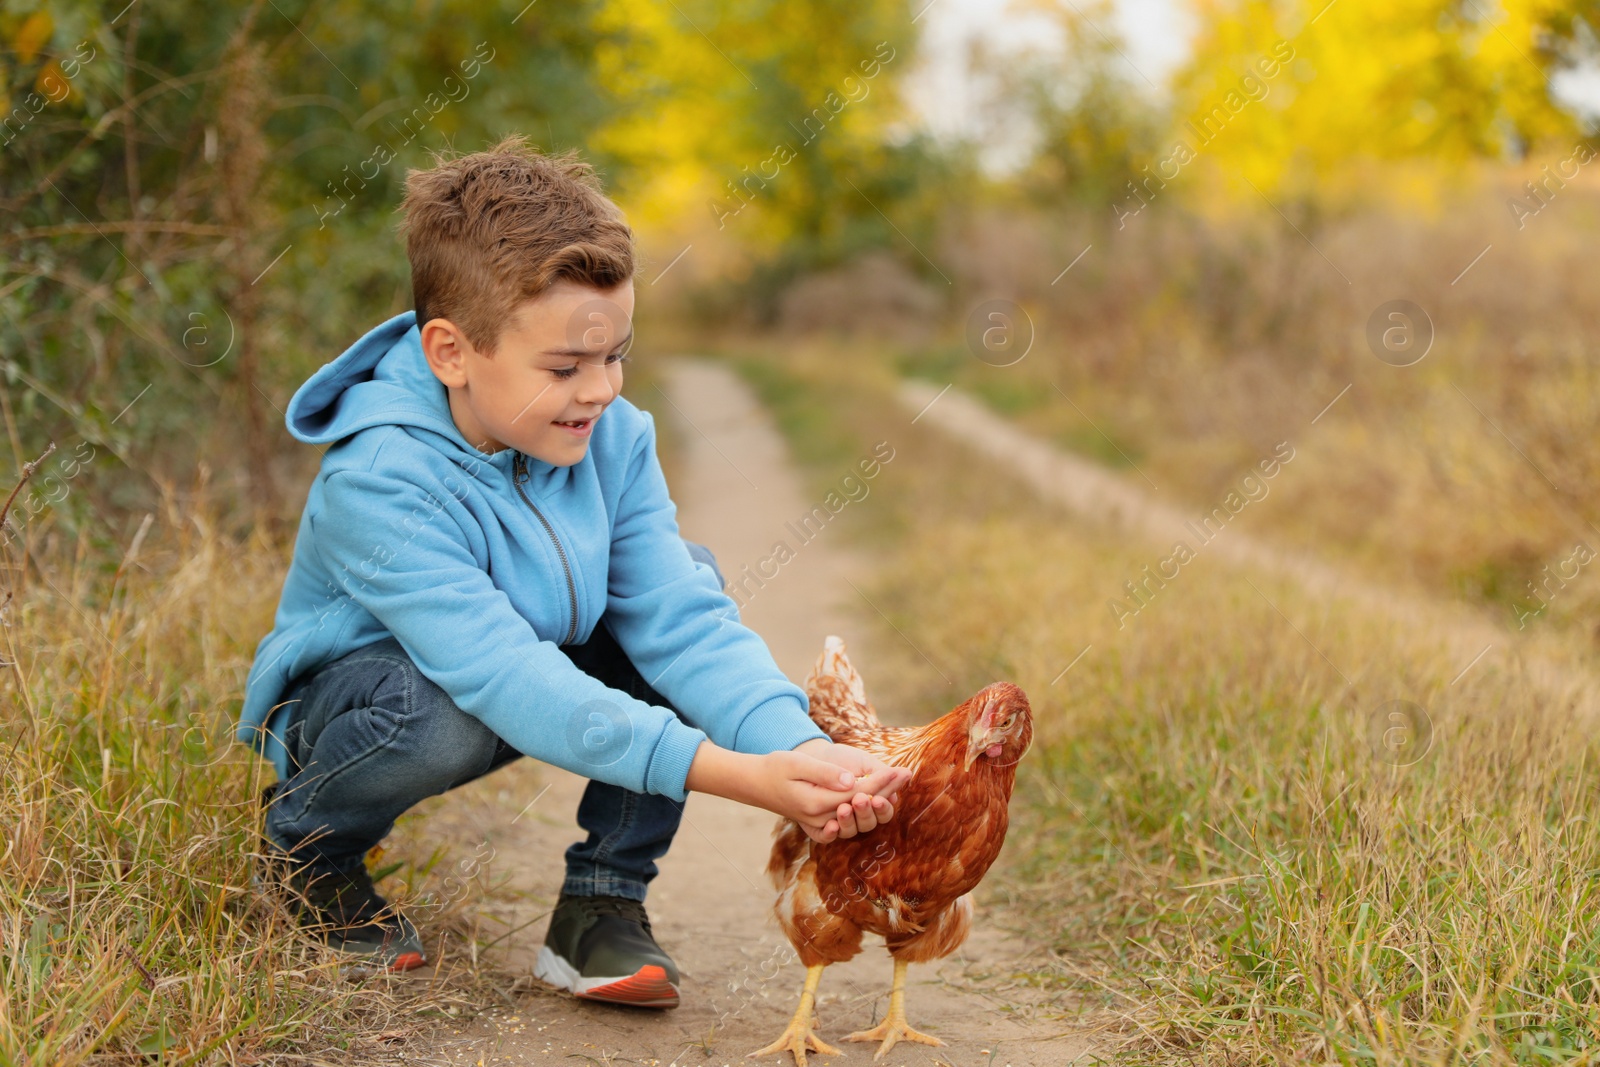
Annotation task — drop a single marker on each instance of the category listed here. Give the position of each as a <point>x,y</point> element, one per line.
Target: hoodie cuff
<point>776,725</point>
<point>669,764</point>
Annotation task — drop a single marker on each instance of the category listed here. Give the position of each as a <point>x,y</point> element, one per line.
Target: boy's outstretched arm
<point>683,633</point>
<point>840,794</point>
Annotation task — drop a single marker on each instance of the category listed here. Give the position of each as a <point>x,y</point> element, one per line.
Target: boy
<point>488,565</point>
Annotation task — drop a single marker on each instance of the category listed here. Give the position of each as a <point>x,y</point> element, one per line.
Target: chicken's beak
<point>977,740</point>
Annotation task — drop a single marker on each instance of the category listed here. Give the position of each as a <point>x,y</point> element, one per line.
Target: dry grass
<point>129,932</point>
<point>1183,348</point>
<point>1234,867</point>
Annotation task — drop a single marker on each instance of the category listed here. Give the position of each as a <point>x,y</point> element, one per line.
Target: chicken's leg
<point>894,1027</point>
<point>802,1033</point>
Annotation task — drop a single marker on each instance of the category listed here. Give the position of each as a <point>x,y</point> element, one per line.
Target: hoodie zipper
<point>519,466</point>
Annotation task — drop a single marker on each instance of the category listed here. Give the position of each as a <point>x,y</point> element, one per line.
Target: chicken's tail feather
<point>833,663</point>
<point>838,696</point>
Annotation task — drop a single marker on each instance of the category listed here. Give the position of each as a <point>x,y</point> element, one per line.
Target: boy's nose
<point>594,387</point>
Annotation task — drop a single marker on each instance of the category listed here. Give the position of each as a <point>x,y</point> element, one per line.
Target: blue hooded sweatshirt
<point>481,565</point>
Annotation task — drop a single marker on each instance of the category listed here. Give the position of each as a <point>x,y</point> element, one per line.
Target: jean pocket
<point>291,742</point>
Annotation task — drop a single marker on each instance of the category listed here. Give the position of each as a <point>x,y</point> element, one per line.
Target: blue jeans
<point>370,737</point>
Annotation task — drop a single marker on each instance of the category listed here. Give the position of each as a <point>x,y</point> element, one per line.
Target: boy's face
<point>557,367</point>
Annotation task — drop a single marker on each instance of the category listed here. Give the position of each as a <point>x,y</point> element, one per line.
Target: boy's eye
<point>563,373</point>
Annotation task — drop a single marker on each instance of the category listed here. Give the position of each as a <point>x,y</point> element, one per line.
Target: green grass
<point>1015,393</point>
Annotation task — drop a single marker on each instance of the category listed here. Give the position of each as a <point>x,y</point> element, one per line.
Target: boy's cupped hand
<point>839,791</point>
<point>830,790</point>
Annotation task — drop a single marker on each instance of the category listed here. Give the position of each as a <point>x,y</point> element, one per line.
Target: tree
<point>1309,94</point>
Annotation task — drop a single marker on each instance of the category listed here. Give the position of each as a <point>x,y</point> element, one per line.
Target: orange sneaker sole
<point>647,989</point>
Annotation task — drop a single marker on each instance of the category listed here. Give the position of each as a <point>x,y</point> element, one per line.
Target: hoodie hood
<point>383,379</point>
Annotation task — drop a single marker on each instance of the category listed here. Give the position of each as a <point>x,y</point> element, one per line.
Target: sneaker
<point>600,948</point>
<point>341,908</point>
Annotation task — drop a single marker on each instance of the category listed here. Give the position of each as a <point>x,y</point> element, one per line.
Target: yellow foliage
<point>715,92</point>
<point>53,84</point>
<point>1364,81</point>
<point>32,35</point>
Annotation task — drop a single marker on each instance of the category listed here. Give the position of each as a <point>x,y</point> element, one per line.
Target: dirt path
<point>711,904</point>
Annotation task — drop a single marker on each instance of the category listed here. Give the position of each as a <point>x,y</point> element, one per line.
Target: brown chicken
<point>910,880</point>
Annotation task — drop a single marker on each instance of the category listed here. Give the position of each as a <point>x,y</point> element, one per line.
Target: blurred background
<point>1210,226</point>
<point>202,212</point>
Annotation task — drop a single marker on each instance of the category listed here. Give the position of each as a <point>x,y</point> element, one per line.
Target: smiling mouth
<point>578,426</point>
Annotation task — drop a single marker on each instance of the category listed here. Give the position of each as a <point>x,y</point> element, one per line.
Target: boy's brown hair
<point>488,231</point>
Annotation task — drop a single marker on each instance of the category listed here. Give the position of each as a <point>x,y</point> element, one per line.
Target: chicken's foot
<point>801,1034</point>
<point>894,1027</point>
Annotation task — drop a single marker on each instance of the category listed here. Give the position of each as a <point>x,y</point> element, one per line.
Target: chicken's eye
<point>1009,720</point>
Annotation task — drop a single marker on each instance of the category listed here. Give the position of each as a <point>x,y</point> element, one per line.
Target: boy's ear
<point>446,349</point>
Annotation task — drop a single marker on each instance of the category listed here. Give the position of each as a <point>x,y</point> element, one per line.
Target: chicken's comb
<point>834,663</point>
